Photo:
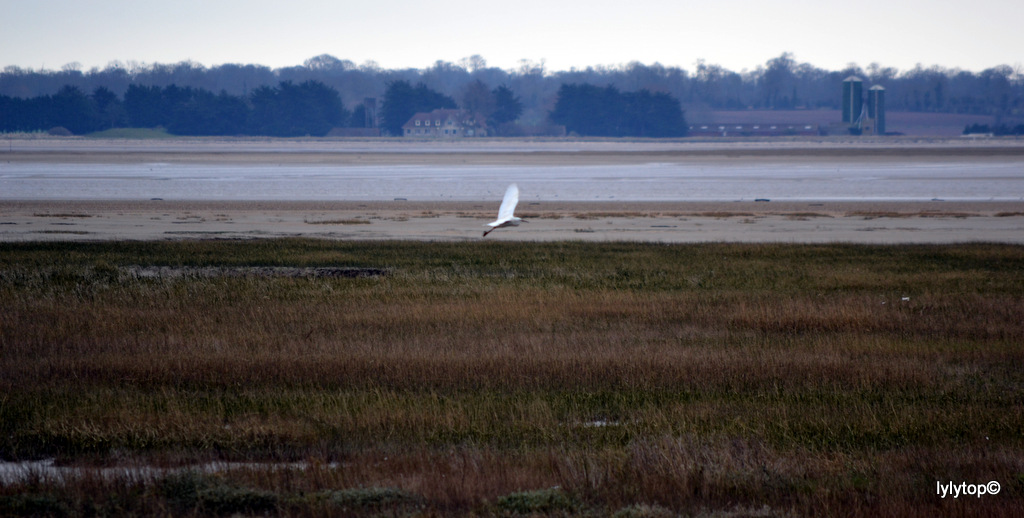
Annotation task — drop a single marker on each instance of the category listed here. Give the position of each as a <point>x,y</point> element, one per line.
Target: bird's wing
<point>508,204</point>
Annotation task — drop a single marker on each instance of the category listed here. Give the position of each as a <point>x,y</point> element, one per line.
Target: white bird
<point>508,206</point>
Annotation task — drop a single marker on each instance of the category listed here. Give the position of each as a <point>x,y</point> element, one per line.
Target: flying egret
<point>508,206</point>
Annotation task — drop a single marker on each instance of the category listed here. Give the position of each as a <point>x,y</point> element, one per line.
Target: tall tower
<point>853,101</point>
<point>876,107</point>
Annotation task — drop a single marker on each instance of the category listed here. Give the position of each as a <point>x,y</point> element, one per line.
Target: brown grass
<point>814,380</point>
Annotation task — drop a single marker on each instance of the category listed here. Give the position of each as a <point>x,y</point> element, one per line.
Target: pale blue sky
<point>738,34</point>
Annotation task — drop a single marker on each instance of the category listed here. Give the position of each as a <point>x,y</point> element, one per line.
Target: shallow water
<point>966,181</point>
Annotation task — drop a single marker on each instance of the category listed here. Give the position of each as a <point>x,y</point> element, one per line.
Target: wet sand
<point>785,222</point>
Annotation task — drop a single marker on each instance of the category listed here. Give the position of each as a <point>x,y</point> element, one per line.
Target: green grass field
<point>514,378</point>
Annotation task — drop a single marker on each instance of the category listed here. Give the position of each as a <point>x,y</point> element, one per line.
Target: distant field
<point>908,123</point>
<point>131,133</point>
<point>505,379</point>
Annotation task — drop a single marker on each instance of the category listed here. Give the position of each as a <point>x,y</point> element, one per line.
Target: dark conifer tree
<point>508,107</point>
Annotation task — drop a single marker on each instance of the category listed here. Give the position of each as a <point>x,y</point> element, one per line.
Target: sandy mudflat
<point>796,222</point>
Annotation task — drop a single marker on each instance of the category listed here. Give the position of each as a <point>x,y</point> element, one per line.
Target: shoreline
<point>508,152</point>
<point>504,154</point>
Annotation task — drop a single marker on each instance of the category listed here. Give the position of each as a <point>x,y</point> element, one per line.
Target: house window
<point>417,123</point>
<point>437,123</point>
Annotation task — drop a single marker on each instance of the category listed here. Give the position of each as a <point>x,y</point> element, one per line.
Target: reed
<point>471,378</point>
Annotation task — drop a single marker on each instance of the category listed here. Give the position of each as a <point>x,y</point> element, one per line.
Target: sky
<point>736,34</point>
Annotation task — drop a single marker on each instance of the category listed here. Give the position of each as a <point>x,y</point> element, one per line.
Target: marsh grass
<point>61,215</point>
<point>475,377</point>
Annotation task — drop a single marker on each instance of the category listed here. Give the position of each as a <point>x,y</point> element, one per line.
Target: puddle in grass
<point>49,470</point>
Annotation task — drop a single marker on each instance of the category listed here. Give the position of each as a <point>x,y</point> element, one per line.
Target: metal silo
<point>876,107</point>
<point>853,101</point>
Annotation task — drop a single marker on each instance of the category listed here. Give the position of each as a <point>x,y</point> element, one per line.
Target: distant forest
<point>780,84</point>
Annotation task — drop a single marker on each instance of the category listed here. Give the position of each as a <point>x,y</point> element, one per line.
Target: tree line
<point>780,83</point>
<point>285,110</point>
<point>590,110</point>
<point>312,108</point>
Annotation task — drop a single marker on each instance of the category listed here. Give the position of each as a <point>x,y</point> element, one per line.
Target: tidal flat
<point>510,378</point>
